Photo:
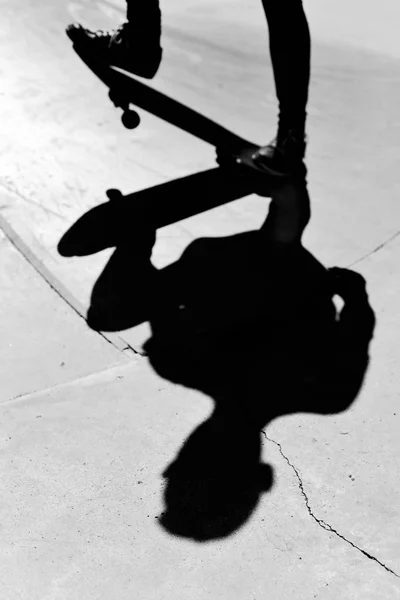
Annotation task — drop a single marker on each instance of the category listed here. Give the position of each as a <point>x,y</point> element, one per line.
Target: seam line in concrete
<point>59,386</point>
<point>320,522</point>
<point>59,288</point>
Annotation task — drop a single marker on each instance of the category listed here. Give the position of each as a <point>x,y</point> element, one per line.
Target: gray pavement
<point>43,341</point>
<point>87,426</point>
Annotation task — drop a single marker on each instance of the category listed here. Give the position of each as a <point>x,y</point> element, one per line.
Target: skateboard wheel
<point>130,119</point>
<point>114,195</point>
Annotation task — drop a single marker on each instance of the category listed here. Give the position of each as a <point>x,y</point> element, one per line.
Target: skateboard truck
<point>114,195</point>
<point>130,118</point>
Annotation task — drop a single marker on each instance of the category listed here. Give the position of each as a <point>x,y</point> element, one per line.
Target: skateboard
<point>128,93</point>
<point>126,217</point>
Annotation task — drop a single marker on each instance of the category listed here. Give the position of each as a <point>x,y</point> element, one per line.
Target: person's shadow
<point>252,326</point>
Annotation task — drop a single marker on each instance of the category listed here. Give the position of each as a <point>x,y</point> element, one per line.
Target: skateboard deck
<point>128,93</point>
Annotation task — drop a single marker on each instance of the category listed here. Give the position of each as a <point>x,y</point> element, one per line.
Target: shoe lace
<point>110,33</point>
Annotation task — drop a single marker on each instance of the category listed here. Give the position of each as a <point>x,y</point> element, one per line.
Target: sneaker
<point>283,156</point>
<point>117,47</point>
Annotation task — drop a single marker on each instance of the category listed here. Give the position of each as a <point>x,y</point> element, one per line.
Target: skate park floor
<point>88,427</point>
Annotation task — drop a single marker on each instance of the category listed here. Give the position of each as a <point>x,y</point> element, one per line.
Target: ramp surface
<point>88,429</point>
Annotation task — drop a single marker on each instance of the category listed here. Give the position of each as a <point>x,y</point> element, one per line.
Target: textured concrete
<point>82,497</point>
<point>87,431</point>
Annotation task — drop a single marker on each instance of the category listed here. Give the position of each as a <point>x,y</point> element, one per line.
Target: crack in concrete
<point>375,250</point>
<point>320,522</point>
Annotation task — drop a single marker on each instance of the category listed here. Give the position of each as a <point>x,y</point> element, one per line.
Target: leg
<point>144,18</point>
<point>290,50</point>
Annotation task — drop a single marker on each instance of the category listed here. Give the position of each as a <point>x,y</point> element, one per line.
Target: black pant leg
<point>144,17</point>
<point>290,48</point>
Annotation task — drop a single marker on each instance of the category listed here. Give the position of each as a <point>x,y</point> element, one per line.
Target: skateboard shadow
<point>127,219</point>
<point>256,330</point>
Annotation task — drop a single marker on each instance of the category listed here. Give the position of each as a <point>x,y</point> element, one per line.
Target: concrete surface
<point>87,428</point>
<point>82,496</point>
<point>43,342</point>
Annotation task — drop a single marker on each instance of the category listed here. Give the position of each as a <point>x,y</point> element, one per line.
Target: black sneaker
<point>119,48</point>
<point>283,156</point>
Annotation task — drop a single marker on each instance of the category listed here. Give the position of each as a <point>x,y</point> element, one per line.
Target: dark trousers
<point>289,41</point>
<point>290,48</point>
<point>145,19</point>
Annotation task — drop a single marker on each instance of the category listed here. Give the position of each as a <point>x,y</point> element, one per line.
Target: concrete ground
<point>88,427</point>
